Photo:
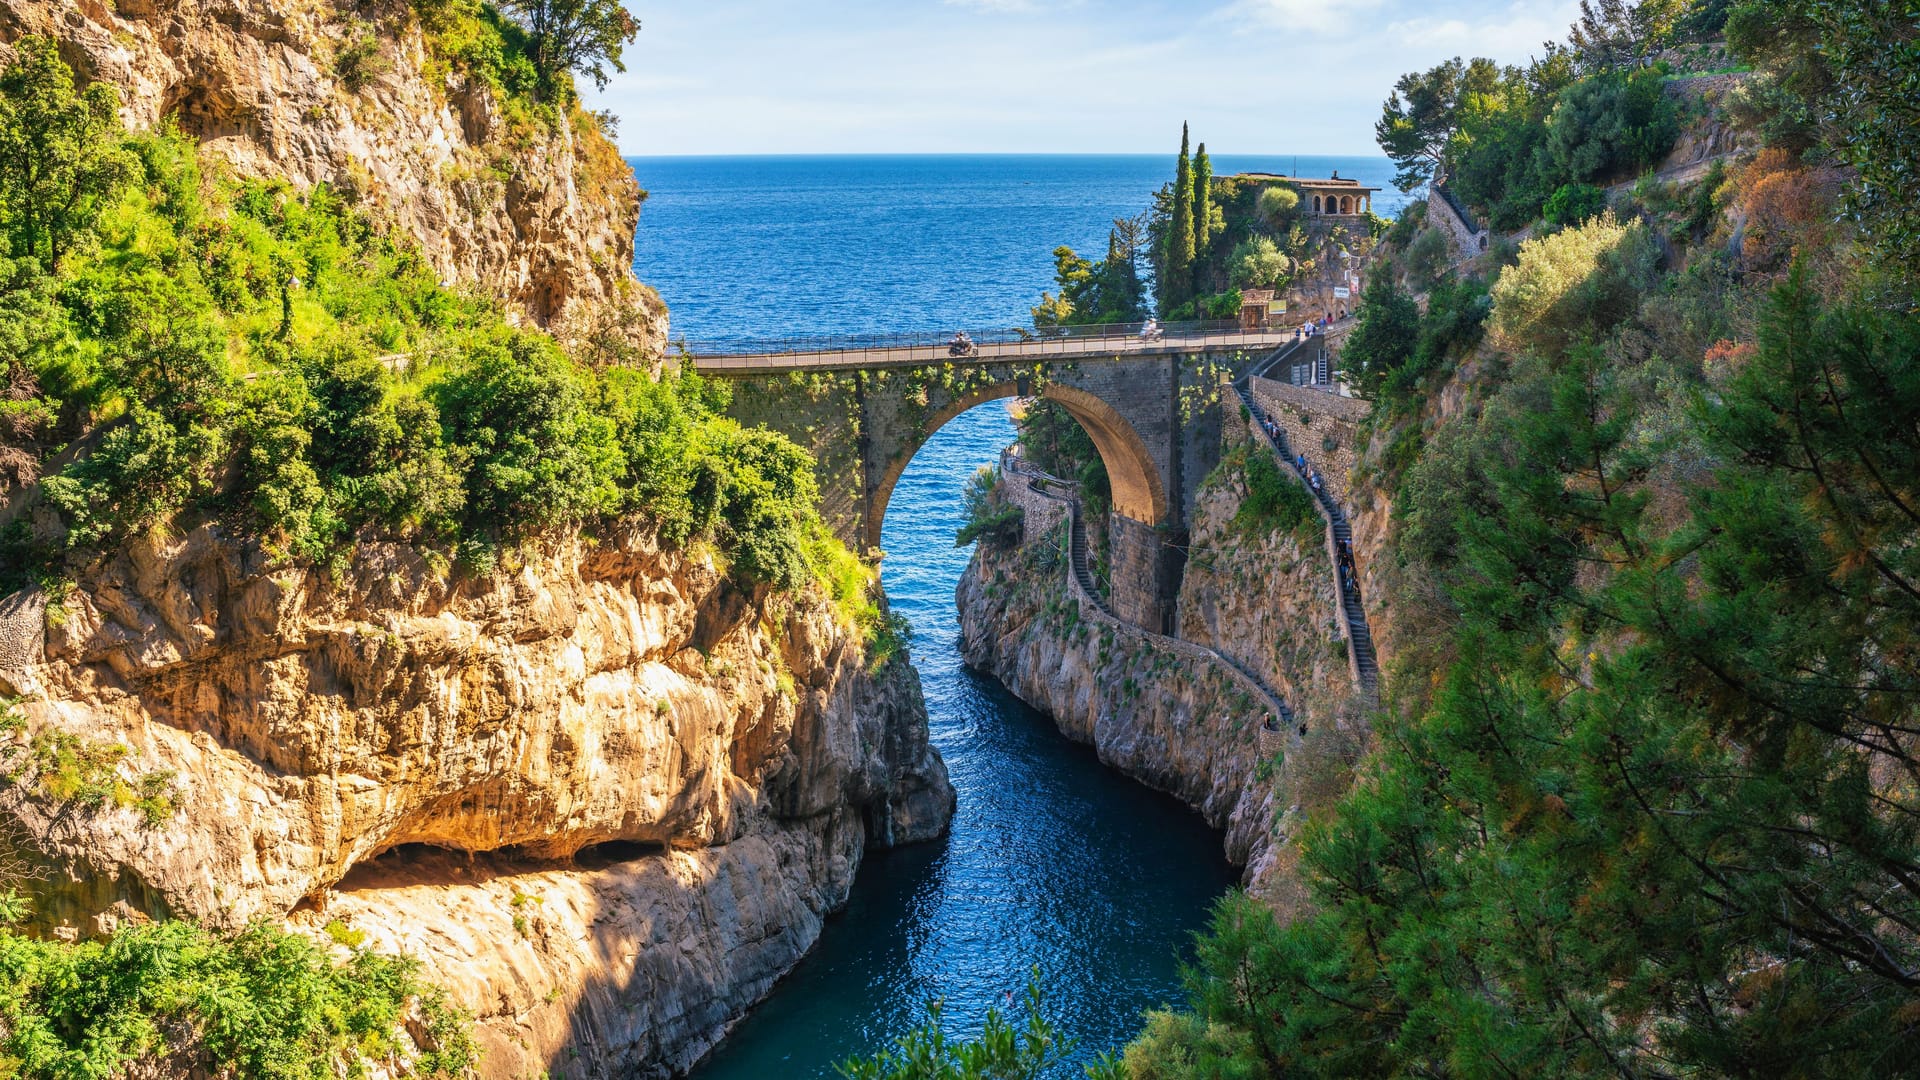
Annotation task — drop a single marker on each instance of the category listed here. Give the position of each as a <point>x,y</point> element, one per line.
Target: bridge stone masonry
<point>1151,404</point>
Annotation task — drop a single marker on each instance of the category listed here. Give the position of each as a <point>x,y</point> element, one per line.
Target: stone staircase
<point>1082,566</point>
<point>1360,654</point>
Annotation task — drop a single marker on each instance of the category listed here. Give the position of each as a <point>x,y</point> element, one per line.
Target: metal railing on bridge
<point>936,346</point>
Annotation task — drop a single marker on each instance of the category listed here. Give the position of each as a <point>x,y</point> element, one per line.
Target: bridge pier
<point>1145,574</point>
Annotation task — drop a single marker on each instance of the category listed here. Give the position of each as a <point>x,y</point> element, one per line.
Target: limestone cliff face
<point>1265,600</point>
<point>1170,722</point>
<point>692,771</point>
<point>353,95</point>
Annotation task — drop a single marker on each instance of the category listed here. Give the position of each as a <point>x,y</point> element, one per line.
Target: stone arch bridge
<point>1152,408</point>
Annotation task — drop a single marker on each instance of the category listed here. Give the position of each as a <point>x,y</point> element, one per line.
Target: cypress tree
<point>1180,231</point>
<point>1202,211</point>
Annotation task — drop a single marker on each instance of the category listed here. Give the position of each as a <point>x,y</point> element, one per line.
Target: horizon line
<point>987,153</point>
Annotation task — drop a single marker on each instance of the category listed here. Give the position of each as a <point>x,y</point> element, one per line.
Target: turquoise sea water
<point>1055,862</point>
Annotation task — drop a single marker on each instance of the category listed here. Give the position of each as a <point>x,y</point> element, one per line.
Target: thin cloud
<point>999,7</point>
<point>1309,16</point>
<point>1520,30</point>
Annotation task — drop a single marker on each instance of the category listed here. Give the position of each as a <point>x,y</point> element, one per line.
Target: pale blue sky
<point>1061,76</point>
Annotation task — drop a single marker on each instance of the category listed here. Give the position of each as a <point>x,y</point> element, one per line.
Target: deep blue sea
<point>759,247</point>
<point>1055,863</point>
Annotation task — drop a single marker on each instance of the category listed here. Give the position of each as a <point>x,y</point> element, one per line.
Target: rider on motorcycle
<point>961,344</point>
<point>1151,330</point>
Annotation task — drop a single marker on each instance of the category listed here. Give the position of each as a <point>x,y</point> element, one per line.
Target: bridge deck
<point>1039,348</point>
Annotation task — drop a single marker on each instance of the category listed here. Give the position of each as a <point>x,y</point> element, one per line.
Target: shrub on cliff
<point>540,454</point>
<point>261,1003</point>
<point>991,519</point>
<point>1573,204</point>
<point>237,348</point>
<point>1275,502</point>
<point>1573,285</point>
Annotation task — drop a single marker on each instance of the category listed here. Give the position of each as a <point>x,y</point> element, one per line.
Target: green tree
<point>1206,217</point>
<point>1611,126</point>
<point>1258,263</point>
<point>1176,268</point>
<point>584,36</point>
<point>61,159</point>
<point>1419,119</point>
<point>1383,338</point>
<point>1618,34</point>
<point>1104,292</point>
<point>1574,204</point>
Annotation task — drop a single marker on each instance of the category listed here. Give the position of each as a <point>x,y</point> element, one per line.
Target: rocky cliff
<point>605,794</point>
<point>533,206</point>
<point>675,778</point>
<point>1264,598</point>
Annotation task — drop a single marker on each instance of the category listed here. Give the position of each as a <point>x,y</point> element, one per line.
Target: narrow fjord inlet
<point>675,540</point>
<point>1055,862</point>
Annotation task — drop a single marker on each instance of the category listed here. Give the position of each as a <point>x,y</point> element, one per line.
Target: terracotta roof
<point>1255,296</point>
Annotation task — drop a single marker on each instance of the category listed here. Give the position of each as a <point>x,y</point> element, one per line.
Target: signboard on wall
<point>1276,307</point>
<point>1341,292</point>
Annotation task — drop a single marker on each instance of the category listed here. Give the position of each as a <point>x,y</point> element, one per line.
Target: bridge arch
<point>1138,490</point>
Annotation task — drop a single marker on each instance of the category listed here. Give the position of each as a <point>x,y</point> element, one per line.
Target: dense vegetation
<point>1644,800</point>
<point>231,348</point>
<point>1275,501</point>
<point>185,347</point>
<point>263,1003</point>
<point>1519,143</point>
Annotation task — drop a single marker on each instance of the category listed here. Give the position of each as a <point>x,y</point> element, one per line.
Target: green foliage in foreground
<point>236,349</point>
<point>262,1003</point>
<point>1656,817</point>
<point>1004,1050</point>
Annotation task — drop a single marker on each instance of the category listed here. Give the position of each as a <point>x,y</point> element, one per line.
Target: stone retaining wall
<point>1468,242</point>
<point>1040,514</point>
<point>1313,418</point>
